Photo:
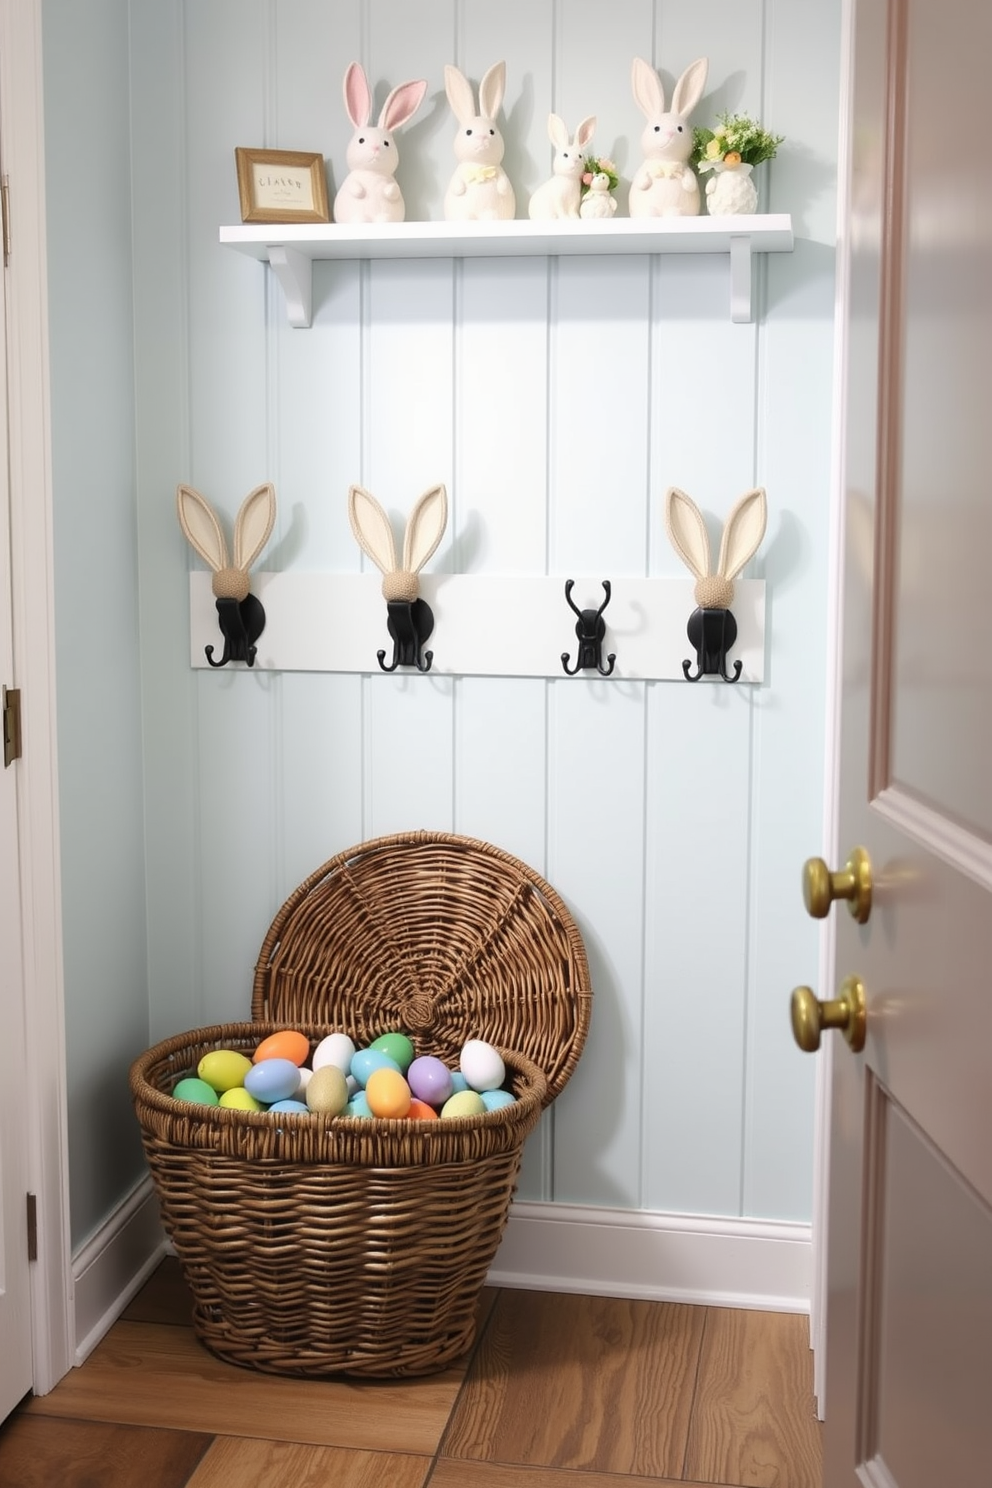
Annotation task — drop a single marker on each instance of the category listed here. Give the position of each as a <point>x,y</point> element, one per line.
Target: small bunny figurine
<point>560,197</point>
<point>712,629</point>
<point>239,613</point>
<point>368,192</point>
<point>665,185</point>
<point>480,189</point>
<point>597,201</point>
<point>410,619</point>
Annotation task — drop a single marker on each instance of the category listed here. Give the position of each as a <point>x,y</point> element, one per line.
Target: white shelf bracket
<point>740,280</point>
<point>294,271</point>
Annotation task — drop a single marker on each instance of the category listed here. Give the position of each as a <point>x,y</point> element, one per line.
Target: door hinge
<point>5,205</point>
<point>32,1227</point>
<point>11,697</point>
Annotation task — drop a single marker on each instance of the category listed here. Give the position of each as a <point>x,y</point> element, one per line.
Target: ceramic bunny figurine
<point>561,195</point>
<point>369,192</point>
<point>665,185</point>
<point>597,201</point>
<point>712,629</point>
<point>480,189</point>
<point>410,619</point>
<point>239,613</point>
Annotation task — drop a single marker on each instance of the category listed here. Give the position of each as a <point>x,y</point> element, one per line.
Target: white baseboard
<point>547,1247</point>
<point>114,1264</point>
<point>659,1257</point>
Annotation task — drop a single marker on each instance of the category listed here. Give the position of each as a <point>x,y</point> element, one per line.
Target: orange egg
<point>287,1044</point>
<point>421,1111</point>
<point>387,1093</point>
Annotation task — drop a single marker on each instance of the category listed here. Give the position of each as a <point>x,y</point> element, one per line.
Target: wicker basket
<point>316,1245</point>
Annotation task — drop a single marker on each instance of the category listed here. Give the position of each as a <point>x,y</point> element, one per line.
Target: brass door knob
<point>846,1012</point>
<point>853,883</point>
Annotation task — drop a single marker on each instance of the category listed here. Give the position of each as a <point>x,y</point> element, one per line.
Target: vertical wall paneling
<point>556,400</point>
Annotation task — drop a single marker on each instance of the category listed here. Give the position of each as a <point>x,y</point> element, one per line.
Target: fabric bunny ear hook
<point>239,614</point>
<point>411,620</point>
<point>712,628</point>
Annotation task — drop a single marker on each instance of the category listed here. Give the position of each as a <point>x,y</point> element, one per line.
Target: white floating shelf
<point>485,625</point>
<point>291,249</point>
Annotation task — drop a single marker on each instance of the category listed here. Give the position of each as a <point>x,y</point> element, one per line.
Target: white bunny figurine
<point>597,201</point>
<point>369,192</point>
<point>665,185</point>
<point>480,189</point>
<point>240,614</point>
<point>560,197</point>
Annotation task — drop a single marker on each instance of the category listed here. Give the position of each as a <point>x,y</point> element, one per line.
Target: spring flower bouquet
<point>729,153</point>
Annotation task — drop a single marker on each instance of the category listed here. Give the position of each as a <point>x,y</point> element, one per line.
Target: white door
<point>909,1314</point>
<point>15,1309</point>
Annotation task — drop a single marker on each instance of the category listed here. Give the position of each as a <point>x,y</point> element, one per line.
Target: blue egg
<point>458,1082</point>
<point>358,1105</point>
<point>495,1100</point>
<point>366,1060</point>
<point>291,1105</point>
<point>272,1080</point>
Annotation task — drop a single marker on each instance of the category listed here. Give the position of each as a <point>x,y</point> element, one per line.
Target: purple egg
<point>430,1080</point>
<point>272,1080</point>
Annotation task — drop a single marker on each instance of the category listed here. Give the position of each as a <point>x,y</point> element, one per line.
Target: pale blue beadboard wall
<point>557,400</point>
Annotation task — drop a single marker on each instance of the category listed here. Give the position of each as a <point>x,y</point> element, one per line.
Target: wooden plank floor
<point>559,1392</point>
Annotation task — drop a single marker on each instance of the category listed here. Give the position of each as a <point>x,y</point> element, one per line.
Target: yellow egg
<point>287,1044</point>
<point>387,1093</point>
<point>327,1091</point>
<point>238,1099</point>
<point>223,1068</point>
<point>463,1103</point>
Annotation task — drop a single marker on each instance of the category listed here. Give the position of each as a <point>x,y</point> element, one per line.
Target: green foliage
<point>735,134</point>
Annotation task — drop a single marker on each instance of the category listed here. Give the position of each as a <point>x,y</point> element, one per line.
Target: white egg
<point>337,1049</point>
<point>482,1065</point>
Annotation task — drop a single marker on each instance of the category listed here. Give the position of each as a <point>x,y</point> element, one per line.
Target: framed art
<point>281,186</point>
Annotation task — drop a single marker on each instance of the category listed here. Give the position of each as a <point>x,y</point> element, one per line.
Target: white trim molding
<point>114,1265</point>
<point>34,666</point>
<point>715,1262</point>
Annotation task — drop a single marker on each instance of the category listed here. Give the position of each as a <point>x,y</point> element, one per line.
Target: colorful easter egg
<point>367,1060</point>
<point>286,1044</point>
<point>224,1069</point>
<point>464,1103</point>
<point>296,1107</point>
<point>358,1105</point>
<point>421,1111</point>
<point>327,1091</point>
<point>495,1100</point>
<point>198,1091</point>
<point>238,1099</point>
<point>272,1080</point>
<point>337,1049</point>
<point>397,1046</point>
<point>482,1065</point>
<point>387,1093</point>
<point>430,1080</point>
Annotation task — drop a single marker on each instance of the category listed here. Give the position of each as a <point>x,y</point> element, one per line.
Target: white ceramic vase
<point>730,190</point>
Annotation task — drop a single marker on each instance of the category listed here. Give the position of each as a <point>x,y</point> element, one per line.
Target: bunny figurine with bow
<point>410,618</point>
<point>480,189</point>
<point>712,629</point>
<point>665,184</point>
<point>239,614</point>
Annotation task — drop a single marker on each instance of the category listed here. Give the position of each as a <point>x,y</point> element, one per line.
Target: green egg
<point>192,1089</point>
<point>223,1068</point>
<point>463,1103</point>
<point>397,1046</point>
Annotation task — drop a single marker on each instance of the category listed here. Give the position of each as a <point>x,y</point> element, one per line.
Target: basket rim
<point>144,1093</point>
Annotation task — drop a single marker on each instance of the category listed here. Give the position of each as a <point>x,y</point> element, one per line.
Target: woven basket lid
<point>443,937</point>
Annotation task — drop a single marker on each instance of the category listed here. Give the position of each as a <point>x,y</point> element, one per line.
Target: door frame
<point>32,565</point>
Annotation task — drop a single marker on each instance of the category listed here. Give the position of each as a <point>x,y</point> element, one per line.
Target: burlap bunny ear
<point>687,531</point>
<point>374,535</point>
<point>203,531</point>
<point>742,533</point>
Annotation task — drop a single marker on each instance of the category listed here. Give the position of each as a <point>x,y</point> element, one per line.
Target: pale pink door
<point>909,1319</point>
